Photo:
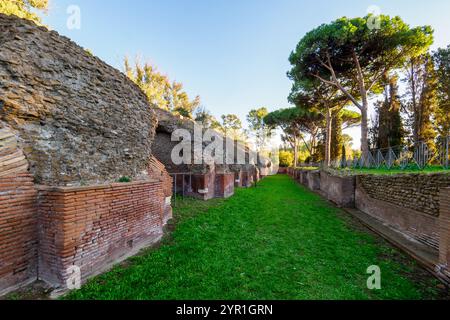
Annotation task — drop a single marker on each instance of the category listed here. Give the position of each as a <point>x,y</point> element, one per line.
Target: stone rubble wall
<point>77,119</point>
<point>419,192</point>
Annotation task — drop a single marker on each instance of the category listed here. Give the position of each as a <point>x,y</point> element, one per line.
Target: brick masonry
<point>94,227</point>
<point>157,171</point>
<point>18,231</point>
<point>224,185</point>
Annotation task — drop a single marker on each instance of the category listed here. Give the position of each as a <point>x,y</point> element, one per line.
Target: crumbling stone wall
<point>77,119</point>
<point>419,192</point>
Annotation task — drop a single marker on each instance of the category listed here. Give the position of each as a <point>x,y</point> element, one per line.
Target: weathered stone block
<point>340,190</point>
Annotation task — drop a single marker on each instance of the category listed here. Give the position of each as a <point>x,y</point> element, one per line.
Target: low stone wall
<point>94,227</point>
<point>340,190</point>
<point>224,185</point>
<point>18,231</point>
<point>199,186</point>
<point>283,170</point>
<point>421,226</point>
<point>444,230</point>
<point>248,179</point>
<point>238,178</point>
<point>313,180</point>
<point>419,192</point>
<point>45,230</point>
<point>417,205</point>
<point>303,177</point>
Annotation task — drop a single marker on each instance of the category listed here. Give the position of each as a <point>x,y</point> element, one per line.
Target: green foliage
<point>24,8</point>
<point>258,127</point>
<point>124,180</point>
<point>442,61</point>
<point>343,155</point>
<point>232,127</point>
<point>349,56</point>
<point>207,120</point>
<point>422,100</point>
<point>392,171</point>
<point>389,130</point>
<point>337,141</point>
<point>160,91</point>
<point>278,241</point>
<point>286,159</point>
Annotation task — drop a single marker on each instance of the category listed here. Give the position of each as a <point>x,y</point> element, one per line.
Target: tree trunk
<point>364,128</point>
<point>414,104</point>
<point>328,140</point>
<point>295,152</point>
<point>364,107</point>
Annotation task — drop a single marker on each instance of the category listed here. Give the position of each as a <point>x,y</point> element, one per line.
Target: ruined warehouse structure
<point>206,178</point>
<point>71,127</point>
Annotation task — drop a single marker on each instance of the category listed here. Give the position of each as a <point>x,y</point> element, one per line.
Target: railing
<point>175,189</point>
<point>405,157</point>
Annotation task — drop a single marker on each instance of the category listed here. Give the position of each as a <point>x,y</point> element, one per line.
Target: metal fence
<point>418,156</point>
<point>176,190</point>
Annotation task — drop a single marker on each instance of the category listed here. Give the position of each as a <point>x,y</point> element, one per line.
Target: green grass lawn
<point>386,171</point>
<point>276,241</point>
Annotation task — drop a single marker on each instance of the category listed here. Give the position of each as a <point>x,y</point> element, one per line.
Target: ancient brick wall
<point>77,119</point>
<point>419,192</point>
<point>224,185</point>
<point>157,171</point>
<point>93,227</point>
<point>444,230</point>
<point>18,230</point>
<point>18,212</point>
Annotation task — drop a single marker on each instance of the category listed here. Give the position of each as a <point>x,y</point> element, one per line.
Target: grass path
<point>276,241</point>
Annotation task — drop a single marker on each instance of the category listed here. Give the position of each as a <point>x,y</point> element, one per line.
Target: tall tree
<point>442,62</point>
<point>258,127</point>
<point>390,130</point>
<point>348,52</point>
<point>343,120</point>
<point>159,90</point>
<point>206,119</point>
<point>421,98</point>
<point>324,99</point>
<point>180,103</point>
<point>24,8</point>
<point>296,123</point>
<point>232,126</point>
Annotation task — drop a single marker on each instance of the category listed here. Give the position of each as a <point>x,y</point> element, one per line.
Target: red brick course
<point>156,170</point>
<point>93,227</point>
<point>224,185</point>
<point>18,231</point>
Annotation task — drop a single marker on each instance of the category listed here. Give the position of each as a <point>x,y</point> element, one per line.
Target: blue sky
<point>233,53</point>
